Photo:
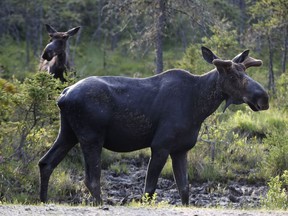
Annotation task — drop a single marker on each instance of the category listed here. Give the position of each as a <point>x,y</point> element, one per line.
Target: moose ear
<point>222,65</point>
<point>246,60</point>
<point>73,31</point>
<point>208,55</point>
<point>241,57</point>
<point>50,29</point>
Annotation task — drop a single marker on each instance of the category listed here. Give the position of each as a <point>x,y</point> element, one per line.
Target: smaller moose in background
<point>54,58</point>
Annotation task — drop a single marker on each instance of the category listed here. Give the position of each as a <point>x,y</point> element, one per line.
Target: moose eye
<point>232,78</point>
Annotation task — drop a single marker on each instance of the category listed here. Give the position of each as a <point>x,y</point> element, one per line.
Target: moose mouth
<point>256,106</point>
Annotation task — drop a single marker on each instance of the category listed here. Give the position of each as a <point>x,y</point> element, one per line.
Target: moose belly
<point>128,136</point>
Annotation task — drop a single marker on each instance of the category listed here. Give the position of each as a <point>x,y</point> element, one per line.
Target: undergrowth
<point>236,145</point>
<point>277,197</point>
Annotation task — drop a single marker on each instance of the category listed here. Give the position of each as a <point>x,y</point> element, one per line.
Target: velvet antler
<point>251,62</point>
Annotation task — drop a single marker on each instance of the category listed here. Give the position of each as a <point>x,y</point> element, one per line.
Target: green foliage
<point>223,40</point>
<point>240,144</point>
<point>108,158</point>
<point>167,171</point>
<point>200,166</point>
<point>269,140</point>
<point>62,185</point>
<point>276,197</point>
<point>146,200</point>
<point>193,61</point>
<point>28,127</point>
<point>7,90</point>
<point>104,62</point>
<point>277,160</point>
<point>11,52</point>
<point>282,88</point>
<point>119,168</point>
<point>270,14</point>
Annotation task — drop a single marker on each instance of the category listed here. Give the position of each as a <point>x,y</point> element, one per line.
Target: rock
<point>233,198</point>
<point>235,190</point>
<point>111,201</point>
<point>247,191</point>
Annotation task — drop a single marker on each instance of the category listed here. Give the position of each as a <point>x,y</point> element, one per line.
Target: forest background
<point>138,39</point>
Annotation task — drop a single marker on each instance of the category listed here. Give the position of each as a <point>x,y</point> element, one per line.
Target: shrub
<point>276,197</point>
<point>276,158</point>
<point>119,168</point>
<point>146,200</point>
<point>28,128</point>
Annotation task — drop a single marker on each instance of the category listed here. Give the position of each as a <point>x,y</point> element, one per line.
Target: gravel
<point>51,209</point>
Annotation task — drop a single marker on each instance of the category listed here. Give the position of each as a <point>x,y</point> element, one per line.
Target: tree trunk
<point>97,34</point>
<point>271,83</point>
<point>27,38</point>
<point>241,29</point>
<point>182,37</point>
<point>285,48</point>
<point>40,29</point>
<point>104,53</point>
<point>114,34</point>
<point>36,22</point>
<point>160,11</point>
<point>73,55</point>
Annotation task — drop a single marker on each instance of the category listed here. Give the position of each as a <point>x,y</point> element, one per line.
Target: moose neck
<point>210,96</point>
<point>61,59</point>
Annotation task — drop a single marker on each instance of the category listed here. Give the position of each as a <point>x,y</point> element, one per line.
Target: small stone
<point>105,208</point>
<point>233,199</point>
<point>27,209</point>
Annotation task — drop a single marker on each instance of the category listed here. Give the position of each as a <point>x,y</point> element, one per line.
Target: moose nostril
<point>47,56</point>
<point>263,102</point>
<point>263,106</point>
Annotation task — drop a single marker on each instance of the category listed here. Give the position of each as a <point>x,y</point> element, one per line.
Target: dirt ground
<point>17,210</point>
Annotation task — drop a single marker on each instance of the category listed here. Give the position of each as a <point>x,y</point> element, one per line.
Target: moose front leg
<point>179,163</point>
<point>156,164</point>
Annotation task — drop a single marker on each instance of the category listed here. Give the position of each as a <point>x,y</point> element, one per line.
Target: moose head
<point>237,86</point>
<point>54,54</point>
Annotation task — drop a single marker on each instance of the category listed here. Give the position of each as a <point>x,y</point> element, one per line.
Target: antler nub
<point>251,62</point>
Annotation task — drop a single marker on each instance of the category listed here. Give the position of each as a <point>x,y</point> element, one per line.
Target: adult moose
<point>54,56</point>
<point>163,112</point>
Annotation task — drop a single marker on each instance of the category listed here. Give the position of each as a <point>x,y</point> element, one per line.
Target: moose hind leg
<point>179,163</point>
<point>92,156</point>
<point>65,141</point>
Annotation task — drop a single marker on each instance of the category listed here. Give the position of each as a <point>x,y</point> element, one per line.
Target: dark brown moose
<point>54,56</point>
<point>163,112</point>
